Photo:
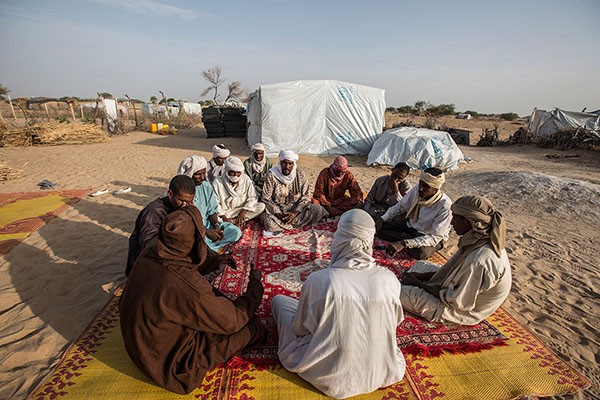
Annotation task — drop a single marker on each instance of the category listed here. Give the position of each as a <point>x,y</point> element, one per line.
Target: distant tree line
<point>425,108</point>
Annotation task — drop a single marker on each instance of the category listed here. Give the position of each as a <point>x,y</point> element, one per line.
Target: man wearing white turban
<point>287,198</point>
<point>215,165</point>
<point>218,233</point>
<point>236,195</point>
<point>475,281</point>
<point>420,221</point>
<point>341,335</point>
<point>257,166</point>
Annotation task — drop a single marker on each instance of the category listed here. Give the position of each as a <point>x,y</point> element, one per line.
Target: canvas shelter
<point>545,123</point>
<point>316,117</point>
<point>418,147</point>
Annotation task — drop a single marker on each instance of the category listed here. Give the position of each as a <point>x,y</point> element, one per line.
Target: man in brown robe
<point>175,326</point>
<point>336,188</point>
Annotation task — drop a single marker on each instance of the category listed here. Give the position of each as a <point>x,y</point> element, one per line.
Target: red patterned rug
<point>285,264</point>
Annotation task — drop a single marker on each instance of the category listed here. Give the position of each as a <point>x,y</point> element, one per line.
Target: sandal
<point>123,191</point>
<point>99,192</point>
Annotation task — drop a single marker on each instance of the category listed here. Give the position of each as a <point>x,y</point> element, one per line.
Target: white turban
<point>289,155</point>
<point>219,150</point>
<point>352,245</point>
<point>234,164</point>
<point>191,165</point>
<point>257,146</point>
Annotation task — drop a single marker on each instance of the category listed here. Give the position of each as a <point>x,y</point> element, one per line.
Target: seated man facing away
<point>426,225</point>
<point>215,165</point>
<point>175,326</point>
<point>332,184</point>
<point>236,195</point>
<point>475,281</point>
<point>387,191</point>
<point>341,335</point>
<point>218,234</point>
<point>286,197</point>
<point>257,166</point>
<point>181,193</point>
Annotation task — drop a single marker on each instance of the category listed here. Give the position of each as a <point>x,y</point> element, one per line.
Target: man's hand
<point>290,217</point>
<point>379,224</point>
<point>394,185</point>
<point>214,234</point>
<point>411,280</point>
<point>240,218</point>
<point>227,259</point>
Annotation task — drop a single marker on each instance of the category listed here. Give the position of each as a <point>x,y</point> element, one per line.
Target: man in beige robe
<point>475,281</point>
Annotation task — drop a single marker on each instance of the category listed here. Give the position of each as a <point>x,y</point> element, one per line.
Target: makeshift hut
<point>546,123</point>
<point>420,148</point>
<point>316,117</point>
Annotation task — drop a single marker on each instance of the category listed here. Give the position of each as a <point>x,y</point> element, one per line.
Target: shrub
<point>509,116</point>
<point>406,110</point>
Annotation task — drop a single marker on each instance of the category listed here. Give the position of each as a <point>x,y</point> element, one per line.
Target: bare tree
<point>213,76</point>
<point>235,91</point>
<point>3,92</point>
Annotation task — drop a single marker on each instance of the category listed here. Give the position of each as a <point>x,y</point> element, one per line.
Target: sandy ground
<point>53,283</point>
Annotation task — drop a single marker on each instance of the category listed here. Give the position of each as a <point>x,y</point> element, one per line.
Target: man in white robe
<point>236,195</point>
<point>341,335</point>
<point>420,221</point>
<point>216,164</point>
<point>475,281</point>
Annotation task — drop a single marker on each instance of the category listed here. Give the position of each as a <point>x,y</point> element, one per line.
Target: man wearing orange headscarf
<point>175,326</point>
<point>336,189</point>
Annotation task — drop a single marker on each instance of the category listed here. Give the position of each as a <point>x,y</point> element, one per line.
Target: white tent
<point>316,117</point>
<point>544,122</point>
<point>418,147</point>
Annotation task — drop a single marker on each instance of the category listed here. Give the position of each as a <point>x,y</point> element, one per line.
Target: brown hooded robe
<point>175,326</point>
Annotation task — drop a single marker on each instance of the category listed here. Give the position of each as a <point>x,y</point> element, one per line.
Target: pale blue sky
<point>487,56</point>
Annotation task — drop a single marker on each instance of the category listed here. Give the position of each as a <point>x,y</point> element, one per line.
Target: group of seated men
<point>341,334</point>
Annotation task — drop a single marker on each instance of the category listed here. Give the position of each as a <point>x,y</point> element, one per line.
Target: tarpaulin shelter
<point>545,123</point>
<point>420,148</point>
<point>316,117</point>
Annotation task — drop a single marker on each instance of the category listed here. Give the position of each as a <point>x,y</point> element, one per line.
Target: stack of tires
<point>224,122</point>
<point>213,123</point>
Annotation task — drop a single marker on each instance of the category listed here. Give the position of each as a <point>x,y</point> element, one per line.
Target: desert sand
<point>55,282</point>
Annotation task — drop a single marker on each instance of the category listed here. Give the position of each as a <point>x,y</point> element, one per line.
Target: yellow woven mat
<point>24,213</point>
<point>97,366</point>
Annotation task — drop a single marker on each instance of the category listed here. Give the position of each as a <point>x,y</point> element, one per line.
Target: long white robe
<point>433,224</point>
<point>245,198</point>
<point>341,335</point>
<point>472,293</point>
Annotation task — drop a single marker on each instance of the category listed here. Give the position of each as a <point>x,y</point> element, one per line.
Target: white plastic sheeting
<point>192,108</point>
<point>544,122</point>
<point>418,147</point>
<point>316,117</point>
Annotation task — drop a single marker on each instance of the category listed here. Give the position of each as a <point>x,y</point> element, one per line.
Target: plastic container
<point>159,126</point>
<point>153,128</point>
